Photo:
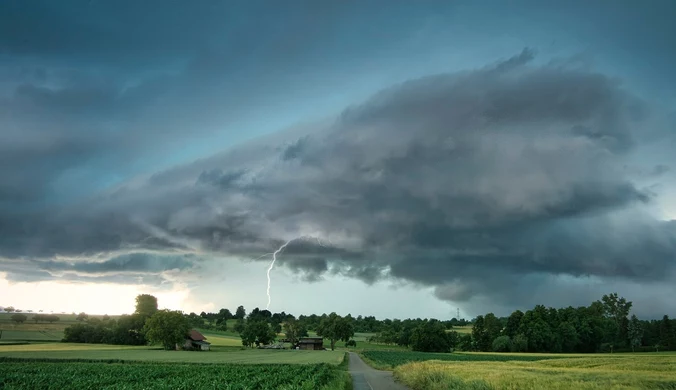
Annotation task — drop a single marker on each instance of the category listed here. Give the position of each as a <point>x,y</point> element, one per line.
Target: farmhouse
<point>196,342</point>
<point>311,343</point>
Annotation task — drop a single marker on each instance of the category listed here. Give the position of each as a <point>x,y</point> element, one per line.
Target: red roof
<point>196,336</point>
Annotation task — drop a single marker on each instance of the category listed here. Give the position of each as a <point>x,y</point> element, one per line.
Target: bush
<point>351,343</point>
<point>502,344</point>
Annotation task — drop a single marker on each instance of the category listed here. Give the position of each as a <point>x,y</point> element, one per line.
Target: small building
<point>311,343</point>
<point>196,342</point>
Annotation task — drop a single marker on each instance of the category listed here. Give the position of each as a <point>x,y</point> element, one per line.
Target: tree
<point>480,334</point>
<point>240,313</point>
<point>466,342</point>
<point>430,336</point>
<point>106,317</point>
<point>9,309</point>
<point>513,322</point>
<point>493,327</point>
<point>616,309</point>
<point>453,339</point>
<point>146,305</point>
<point>502,344</point>
<point>222,316</point>
<point>667,337</point>
<point>239,325</point>
<point>19,318</point>
<point>257,332</point>
<point>634,332</point>
<point>166,327</point>
<point>294,330</point>
<point>82,317</point>
<point>519,343</point>
<point>335,328</point>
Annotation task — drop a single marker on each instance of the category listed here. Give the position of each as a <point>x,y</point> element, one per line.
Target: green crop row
<point>397,358</point>
<point>165,376</point>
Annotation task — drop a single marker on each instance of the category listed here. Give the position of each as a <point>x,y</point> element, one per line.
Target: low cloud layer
<point>484,184</point>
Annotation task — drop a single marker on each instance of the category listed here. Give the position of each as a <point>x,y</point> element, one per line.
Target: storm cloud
<point>474,182</point>
<point>128,149</point>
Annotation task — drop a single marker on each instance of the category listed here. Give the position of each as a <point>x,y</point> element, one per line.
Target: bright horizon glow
<point>91,298</point>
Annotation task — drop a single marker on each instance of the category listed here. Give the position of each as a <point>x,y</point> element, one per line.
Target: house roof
<point>311,341</point>
<point>196,336</point>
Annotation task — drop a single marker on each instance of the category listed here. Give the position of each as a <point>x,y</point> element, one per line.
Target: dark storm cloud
<point>472,182</point>
<point>133,262</point>
<point>92,93</point>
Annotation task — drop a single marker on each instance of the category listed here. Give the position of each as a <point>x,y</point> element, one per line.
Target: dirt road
<point>367,378</point>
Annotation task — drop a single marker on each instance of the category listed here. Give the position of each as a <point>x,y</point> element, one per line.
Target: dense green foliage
<point>169,376</point>
<point>51,318</point>
<point>256,332</point>
<point>397,358</point>
<point>431,336</point>
<point>335,328</point>
<point>603,326</point>
<point>19,318</point>
<point>167,328</point>
<point>294,330</point>
<point>126,330</point>
<point>146,305</point>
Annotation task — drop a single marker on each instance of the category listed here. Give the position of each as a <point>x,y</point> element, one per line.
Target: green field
<point>462,329</point>
<point>31,331</point>
<point>130,353</point>
<point>55,375</point>
<point>586,372</point>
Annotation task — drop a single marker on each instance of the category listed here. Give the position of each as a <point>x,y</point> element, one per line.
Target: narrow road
<point>367,378</point>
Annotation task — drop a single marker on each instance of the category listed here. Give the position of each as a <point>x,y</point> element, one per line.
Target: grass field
<point>388,360</point>
<point>463,329</point>
<point>603,371</point>
<point>30,331</point>
<point>128,353</point>
<point>55,375</point>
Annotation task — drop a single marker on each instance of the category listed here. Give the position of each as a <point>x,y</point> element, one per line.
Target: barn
<point>311,343</point>
<point>195,341</point>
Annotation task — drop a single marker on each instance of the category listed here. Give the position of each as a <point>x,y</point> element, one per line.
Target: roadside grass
<point>591,372</point>
<point>219,354</point>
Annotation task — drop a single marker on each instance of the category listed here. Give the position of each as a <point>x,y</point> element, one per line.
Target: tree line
<point>603,326</point>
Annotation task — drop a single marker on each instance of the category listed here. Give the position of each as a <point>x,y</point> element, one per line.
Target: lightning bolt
<point>272,264</point>
<point>274,259</point>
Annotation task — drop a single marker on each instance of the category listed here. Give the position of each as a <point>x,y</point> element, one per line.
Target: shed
<point>196,341</point>
<point>311,343</point>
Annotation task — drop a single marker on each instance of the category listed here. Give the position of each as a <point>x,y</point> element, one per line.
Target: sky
<point>419,158</point>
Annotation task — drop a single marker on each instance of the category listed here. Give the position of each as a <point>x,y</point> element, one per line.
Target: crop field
<point>391,359</point>
<point>31,335</point>
<point>55,375</point>
<point>585,372</point>
<point>132,353</point>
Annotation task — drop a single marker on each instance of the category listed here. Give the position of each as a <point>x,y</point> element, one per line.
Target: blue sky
<point>133,133</point>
